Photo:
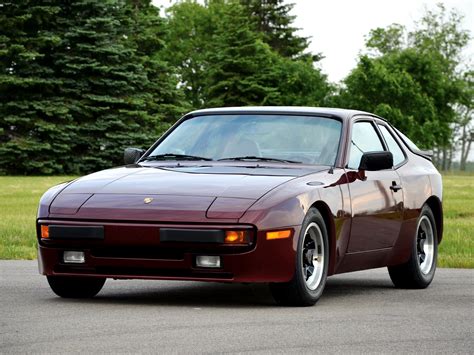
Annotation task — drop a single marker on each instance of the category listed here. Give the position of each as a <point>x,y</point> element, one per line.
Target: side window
<point>398,155</point>
<point>364,139</point>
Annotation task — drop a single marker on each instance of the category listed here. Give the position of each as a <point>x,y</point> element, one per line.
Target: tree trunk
<point>450,158</point>
<point>462,162</point>
<point>437,157</point>
<point>445,153</point>
<point>465,154</point>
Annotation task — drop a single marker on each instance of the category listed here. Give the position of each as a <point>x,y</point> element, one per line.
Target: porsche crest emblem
<point>147,200</point>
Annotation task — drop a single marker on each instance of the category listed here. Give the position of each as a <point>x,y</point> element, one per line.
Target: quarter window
<point>397,152</point>
<point>364,139</point>
<point>407,141</point>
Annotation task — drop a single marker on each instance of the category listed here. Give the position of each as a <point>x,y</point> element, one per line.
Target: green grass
<point>19,198</point>
<point>457,246</point>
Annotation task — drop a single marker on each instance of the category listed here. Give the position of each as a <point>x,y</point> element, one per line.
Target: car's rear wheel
<point>419,270</point>
<point>312,260</point>
<point>76,287</point>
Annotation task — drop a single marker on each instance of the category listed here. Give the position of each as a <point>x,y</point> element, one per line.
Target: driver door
<point>376,201</point>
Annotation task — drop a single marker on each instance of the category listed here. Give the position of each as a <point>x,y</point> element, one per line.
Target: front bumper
<point>134,251</point>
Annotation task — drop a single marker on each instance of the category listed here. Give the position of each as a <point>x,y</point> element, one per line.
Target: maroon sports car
<point>282,195</point>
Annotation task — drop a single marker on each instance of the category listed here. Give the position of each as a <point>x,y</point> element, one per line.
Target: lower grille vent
<point>137,253</point>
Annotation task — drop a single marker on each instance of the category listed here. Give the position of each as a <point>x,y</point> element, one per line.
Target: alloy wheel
<point>425,244</point>
<point>313,256</point>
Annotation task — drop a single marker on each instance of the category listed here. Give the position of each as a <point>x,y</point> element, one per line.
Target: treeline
<point>81,80</point>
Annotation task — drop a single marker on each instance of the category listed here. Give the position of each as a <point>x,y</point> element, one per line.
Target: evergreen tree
<point>103,82</point>
<point>241,65</point>
<point>78,84</point>
<point>36,127</point>
<point>272,18</point>
<point>149,33</point>
<point>223,58</point>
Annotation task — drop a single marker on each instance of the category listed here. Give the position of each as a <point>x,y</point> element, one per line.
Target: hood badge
<point>147,200</point>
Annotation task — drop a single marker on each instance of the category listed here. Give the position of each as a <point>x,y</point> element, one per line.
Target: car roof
<point>325,111</point>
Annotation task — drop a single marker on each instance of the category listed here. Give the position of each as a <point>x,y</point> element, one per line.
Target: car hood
<point>170,193</point>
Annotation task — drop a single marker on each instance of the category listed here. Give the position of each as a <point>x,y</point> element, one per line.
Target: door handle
<point>395,187</point>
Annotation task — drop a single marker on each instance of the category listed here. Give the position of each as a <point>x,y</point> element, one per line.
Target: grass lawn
<point>457,247</point>
<point>19,198</point>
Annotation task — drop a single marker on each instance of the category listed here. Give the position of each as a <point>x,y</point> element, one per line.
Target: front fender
<point>48,197</point>
<point>287,206</point>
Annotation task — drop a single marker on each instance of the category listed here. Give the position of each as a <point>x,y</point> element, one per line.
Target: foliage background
<point>81,80</point>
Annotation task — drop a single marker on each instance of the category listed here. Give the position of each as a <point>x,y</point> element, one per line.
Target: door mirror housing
<point>373,161</point>
<point>131,155</point>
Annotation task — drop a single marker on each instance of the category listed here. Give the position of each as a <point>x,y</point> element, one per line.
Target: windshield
<point>285,138</point>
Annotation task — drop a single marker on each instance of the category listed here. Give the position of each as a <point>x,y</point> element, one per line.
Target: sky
<point>337,27</point>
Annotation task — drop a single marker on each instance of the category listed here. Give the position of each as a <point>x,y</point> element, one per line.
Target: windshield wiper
<point>251,157</point>
<point>172,156</point>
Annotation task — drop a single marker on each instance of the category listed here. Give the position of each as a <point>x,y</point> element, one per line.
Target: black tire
<point>76,287</point>
<point>299,292</point>
<point>414,274</point>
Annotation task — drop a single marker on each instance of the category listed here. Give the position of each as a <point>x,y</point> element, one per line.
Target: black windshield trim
<point>266,159</point>
<point>174,157</point>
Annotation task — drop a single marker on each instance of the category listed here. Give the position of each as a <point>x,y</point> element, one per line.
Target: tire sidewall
<point>75,286</point>
<point>311,296</point>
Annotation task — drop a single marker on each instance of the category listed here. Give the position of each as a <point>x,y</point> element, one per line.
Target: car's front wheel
<point>76,287</point>
<point>419,270</point>
<point>312,262</point>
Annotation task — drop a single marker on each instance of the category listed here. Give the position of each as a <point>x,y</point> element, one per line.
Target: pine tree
<point>78,84</point>
<point>240,64</point>
<point>103,81</point>
<point>223,55</point>
<point>149,33</point>
<point>36,127</point>
<point>272,18</point>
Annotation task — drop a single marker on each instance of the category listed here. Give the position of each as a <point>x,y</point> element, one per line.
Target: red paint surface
<point>369,225</point>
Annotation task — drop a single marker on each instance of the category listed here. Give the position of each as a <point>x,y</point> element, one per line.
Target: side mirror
<point>131,155</point>
<point>373,161</point>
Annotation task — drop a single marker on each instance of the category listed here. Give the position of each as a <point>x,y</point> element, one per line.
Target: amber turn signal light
<point>279,234</point>
<point>235,237</point>
<point>44,232</point>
